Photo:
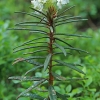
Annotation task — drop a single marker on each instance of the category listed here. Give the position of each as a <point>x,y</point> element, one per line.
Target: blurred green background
<point>87,89</point>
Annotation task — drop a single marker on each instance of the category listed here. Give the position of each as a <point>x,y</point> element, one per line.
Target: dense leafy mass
<point>86,89</point>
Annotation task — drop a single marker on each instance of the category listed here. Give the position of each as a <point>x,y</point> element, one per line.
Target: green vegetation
<point>84,89</point>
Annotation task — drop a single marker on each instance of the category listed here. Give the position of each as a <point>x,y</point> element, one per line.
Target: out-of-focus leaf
<point>68,88</point>
<point>58,77</point>
<point>52,93</point>
<point>33,96</point>
<point>33,62</point>
<point>25,78</point>
<point>31,87</point>
<point>18,60</point>
<point>70,66</point>
<point>33,69</point>
<point>61,48</point>
<point>61,96</point>
<point>47,60</point>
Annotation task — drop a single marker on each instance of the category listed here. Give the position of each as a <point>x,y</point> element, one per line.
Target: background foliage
<point>86,89</point>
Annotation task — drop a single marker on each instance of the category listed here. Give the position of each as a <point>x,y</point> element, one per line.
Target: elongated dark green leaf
<point>61,96</point>
<point>25,78</point>
<point>37,42</point>
<point>58,77</point>
<point>38,25</point>
<point>76,79</point>
<point>30,23</point>
<point>33,69</point>
<point>65,11</point>
<point>61,53</point>
<point>70,21</point>
<point>76,49</point>
<point>47,60</point>
<point>61,17</point>
<point>63,42</point>
<point>61,48</point>
<point>68,18</point>
<point>30,47</point>
<point>39,12</point>
<point>33,96</point>
<point>52,93</point>
<point>35,57</point>
<point>75,35</point>
<point>38,31</point>
<point>32,87</point>
<point>30,41</point>
<point>70,66</point>
<point>35,51</point>
<point>29,29</point>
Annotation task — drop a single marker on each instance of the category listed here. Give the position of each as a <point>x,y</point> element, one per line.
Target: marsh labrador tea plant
<point>43,51</point>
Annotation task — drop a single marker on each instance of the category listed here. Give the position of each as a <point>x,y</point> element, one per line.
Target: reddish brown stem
<point>50,65</point>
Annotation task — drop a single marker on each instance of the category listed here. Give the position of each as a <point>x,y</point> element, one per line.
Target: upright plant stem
<point>50,17</point>
<point>51,51</point>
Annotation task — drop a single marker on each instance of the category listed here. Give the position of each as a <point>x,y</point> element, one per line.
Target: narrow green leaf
<point>65,22</point>
<point>33,96</point>
<point>38,31</point>
<point>30,47</point>
<point>76,49</point>
<point>39,12</point>
<point>58,77</point>
<point>61,48</point>
<point>47,60</point>
<point>52,93</point>
<point>33,69</point>
<point>35,51</point>
<point>37,42</point>
<point>27,23</point>
<point>65,11</point>
<point>68,18</point>
<point>31,87</point>
<point>61,53</point>
<point>61,17</point>
<point>75,35</point>
<point>25,78</point>
<point>30,41</point>
<point>63,42</point>
<point>35,57</point>
<point>29,29</point>
<point>70,66</point>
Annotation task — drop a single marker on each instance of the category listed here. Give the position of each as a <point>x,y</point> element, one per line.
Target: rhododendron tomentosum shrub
<point>44,50</point>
